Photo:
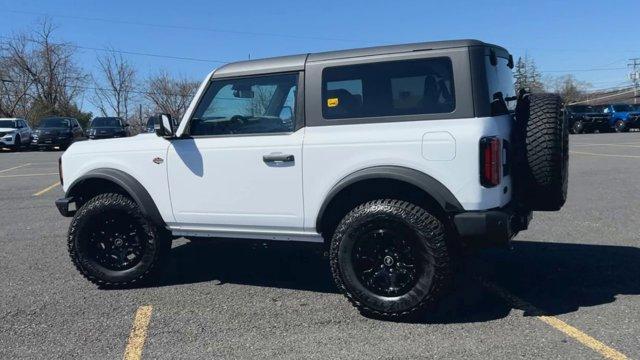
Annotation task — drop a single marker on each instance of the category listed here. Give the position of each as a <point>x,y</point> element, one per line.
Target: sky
<point>592,40</point>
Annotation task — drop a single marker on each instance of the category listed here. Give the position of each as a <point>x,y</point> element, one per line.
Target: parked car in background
<point>623,117</point>
<point>107,127</point>
<point>586,118</point>
<point>57,132</point>
<point>14,133</point>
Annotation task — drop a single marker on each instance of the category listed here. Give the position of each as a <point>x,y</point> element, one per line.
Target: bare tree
<point>170,95</point>
<point>114,93</point>
<point>570,88</point>
<point>46,68</point>
<point>14,90</point>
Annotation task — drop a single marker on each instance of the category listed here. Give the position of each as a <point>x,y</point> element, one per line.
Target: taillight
<point>490,161</point>
<point>60,169</point>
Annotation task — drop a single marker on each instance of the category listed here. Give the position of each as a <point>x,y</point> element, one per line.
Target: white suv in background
<point>14,133</point>
<point>392,157</point>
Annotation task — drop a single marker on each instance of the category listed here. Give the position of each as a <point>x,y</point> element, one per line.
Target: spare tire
<point>544,174</point>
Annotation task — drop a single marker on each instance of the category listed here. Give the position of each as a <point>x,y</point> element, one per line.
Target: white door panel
<point>225,181</point>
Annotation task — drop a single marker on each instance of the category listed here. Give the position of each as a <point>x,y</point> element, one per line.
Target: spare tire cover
<point>544,174</point>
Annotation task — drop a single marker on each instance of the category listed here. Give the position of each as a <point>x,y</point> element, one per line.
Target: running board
<point>246,233</point>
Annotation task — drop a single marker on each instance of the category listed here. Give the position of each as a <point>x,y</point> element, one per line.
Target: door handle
<point>277,158</point>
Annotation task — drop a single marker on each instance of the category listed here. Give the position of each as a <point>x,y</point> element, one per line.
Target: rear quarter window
<point>408,87</point>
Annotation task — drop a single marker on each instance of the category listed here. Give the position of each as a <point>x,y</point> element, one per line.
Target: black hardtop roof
<point>297,62</point>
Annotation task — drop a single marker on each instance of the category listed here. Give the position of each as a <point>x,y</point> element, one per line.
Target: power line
<point>586,70</point>
<point>184,27</point>
<point>603,97</point>
<point>130,52</point>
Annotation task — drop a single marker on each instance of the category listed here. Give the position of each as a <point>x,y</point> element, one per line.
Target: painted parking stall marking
<point>47,189</point>
<point>574,333</point>
<point>138,334</point>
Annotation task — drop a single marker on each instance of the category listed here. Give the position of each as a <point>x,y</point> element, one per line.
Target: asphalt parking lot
<point>568,288</point>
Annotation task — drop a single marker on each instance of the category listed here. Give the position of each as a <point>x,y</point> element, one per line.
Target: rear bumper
<point>65,205</point>
<point>491,227</point>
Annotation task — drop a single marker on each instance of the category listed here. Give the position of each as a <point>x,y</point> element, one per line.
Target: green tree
<point>527,76</point>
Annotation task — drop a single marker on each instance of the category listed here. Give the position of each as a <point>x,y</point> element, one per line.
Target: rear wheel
<point>113,245</point>
<point>390,259</point>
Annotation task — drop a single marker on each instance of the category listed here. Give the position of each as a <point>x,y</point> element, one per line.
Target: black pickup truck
<point>586,118</point>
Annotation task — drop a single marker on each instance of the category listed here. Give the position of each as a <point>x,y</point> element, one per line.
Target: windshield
<point>582,109</point>
<point>622,107</point>
<point>54,123</point>
<point>7,124</point>
<point>106,122</point>
<point>598,108</point>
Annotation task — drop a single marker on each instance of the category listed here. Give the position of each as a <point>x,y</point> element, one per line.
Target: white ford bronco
<point>392,156</point>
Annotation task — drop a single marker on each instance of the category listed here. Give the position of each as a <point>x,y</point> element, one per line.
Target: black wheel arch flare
<point>428,184</point>
<point>129,184</point>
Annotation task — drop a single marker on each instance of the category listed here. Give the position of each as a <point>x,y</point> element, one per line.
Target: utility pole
<point>634,76</point>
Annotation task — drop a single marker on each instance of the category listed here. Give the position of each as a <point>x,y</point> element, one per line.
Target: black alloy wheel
<point>115,241</point>
<point>386,259</point>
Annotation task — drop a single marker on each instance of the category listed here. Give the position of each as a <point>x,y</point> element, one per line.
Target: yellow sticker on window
<point>333,102</point>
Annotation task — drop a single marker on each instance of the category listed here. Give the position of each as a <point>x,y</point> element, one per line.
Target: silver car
<point>14,133</point>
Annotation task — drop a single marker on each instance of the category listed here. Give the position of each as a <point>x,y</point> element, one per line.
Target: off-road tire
<point>157,243</point>
<point>577,127</point>
<point>545,173</point>
<point>431,239</point>
<point>16,144</point>
<point>620,126</point>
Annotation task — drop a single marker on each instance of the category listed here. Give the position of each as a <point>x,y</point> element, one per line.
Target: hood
<point>589,114</point>
<point>141,142</point>
<point>6,130</point>
<point>106,129</point>
<point>53,130</point>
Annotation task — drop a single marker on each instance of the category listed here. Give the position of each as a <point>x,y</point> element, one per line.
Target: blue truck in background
<point>623,117</point>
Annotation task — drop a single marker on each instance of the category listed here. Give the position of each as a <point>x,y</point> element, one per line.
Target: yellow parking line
<point>15,167</point>
<point>606,155</point>
<point>586,340</point>
<point>138,333</point>
<point>47,189</point>
<point>619,145</point>
<point>24,175</point>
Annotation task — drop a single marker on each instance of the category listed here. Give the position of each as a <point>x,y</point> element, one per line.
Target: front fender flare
<point>127,182</point>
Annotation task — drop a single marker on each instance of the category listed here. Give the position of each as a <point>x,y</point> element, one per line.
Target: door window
<point>250,105</point>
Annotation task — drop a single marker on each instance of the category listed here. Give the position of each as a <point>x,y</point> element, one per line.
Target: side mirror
<point>126,125</point>
<point>164,126</point>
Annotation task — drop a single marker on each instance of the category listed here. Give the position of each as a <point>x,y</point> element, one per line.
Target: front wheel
<point>390,259</point>
<point>113,245</point>
<point>620,126</point>
<point>16,143</point>
<point>578,127</point>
